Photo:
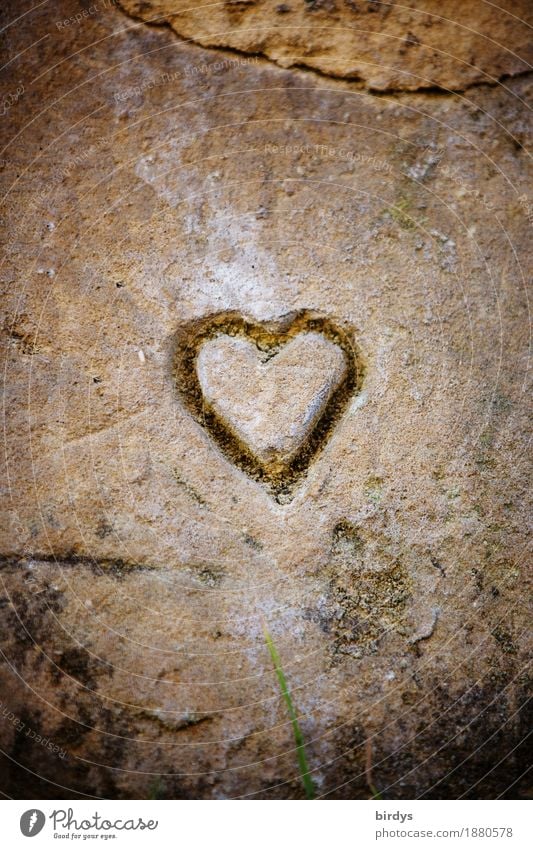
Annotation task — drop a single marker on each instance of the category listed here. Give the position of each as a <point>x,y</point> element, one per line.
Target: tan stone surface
<point>139,562</point>
<point>413,45</point>
<point>272,405</point>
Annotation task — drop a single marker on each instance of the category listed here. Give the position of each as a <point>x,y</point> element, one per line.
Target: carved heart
<point>268,393</point>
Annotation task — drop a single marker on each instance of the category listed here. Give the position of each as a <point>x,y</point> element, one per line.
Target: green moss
<point>346,540</point>
<point>373,489</point>
<point>399,212</point>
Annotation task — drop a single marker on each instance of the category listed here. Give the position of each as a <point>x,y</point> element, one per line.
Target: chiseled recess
<point>269,393</point>
<point>272,405</point>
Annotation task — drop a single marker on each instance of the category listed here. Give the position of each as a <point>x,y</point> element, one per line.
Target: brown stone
<point>386,46</point>
<point>271,406</point>
<point>140,560</point>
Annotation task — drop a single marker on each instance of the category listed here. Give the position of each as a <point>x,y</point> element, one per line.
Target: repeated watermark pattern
<point>527,207</point>
<point>95,9</point>
<point>30,733</point>
<point>10,99</point>
<point>329,151</point>
<point>189,72</point>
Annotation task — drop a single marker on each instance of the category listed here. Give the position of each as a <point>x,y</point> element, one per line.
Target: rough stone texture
<point>387,46</point>
<point>139,563</point>
<point>269,393</point>
<point>271,405</point>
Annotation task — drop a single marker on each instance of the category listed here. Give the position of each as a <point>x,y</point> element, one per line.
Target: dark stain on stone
<point>77,663</point>
<point>103,529</point>
<point>360,604</point>
<point>26,616</point>
<point>253,542</point>
<point>504,640</point>
<point>210,576</point>
<point>114,567</point>
<point>346,540</point>
<point>438,565</point>
<point>189,490</point>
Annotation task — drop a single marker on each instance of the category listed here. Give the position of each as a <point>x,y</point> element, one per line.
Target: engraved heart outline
<point>269,337</point>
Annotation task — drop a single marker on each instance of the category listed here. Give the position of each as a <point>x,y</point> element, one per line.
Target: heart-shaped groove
<point>279,474</point>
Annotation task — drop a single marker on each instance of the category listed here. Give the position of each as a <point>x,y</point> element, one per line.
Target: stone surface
<point>139,562</point>
<point>386,46</point>
<point>269,393</point>
<point>271,404</point>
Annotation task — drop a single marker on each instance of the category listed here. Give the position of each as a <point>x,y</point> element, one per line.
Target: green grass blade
<point>298,736</point>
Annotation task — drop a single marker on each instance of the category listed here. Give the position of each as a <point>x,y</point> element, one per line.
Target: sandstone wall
<point>354,163</point>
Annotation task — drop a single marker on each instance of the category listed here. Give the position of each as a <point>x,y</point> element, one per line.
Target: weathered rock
<point>269,393</point>
<point>140,561</point>
<point>386,46</point>
<point>271,406</point>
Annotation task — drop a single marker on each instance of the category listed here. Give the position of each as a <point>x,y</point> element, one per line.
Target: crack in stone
<point>352,80</point>
<point>114,566</point>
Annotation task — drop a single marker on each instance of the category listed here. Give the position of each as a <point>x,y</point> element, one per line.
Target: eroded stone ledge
<point>388,47</point>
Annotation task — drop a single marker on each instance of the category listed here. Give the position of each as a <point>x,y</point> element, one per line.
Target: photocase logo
<point>31,822</point>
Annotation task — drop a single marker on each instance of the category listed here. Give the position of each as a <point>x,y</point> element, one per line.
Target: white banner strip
<point>268,825</point>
